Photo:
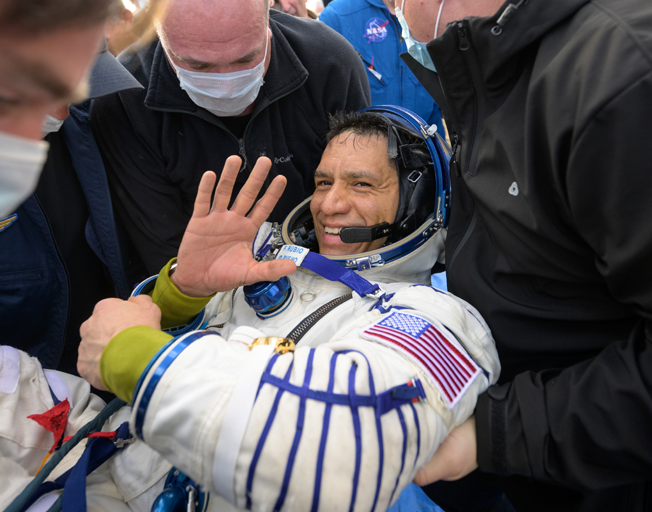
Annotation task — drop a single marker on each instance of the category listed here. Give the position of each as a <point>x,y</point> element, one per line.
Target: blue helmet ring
<point>423,158</point>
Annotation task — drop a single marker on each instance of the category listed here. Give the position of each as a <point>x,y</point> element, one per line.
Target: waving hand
<point>215,253</point>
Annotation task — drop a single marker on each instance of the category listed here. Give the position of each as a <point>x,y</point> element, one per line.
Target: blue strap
<point>98,451</point>
<point>332,271</point>
<point>73,481</point>
<point>401,418</point>
<point>324,437</point>
<point>357,430</point>
<point>297,433</point>
<point>263,437</point>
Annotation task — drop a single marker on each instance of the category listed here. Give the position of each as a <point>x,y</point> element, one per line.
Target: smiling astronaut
<point>302,366</point>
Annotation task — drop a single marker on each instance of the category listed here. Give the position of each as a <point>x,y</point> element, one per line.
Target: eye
<point>362,184</point>
<point>323,183</point>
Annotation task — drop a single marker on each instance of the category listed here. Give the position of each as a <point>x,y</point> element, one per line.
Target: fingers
<point>455,458</point>
<point>249,192</point>
<point>270,271</point>
<point>203,200</point>
<point>266,204</point>
<point>225,185</point>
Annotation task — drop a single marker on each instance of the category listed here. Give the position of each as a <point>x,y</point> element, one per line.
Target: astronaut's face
<point>356,184</point>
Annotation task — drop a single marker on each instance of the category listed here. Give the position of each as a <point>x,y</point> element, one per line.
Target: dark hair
<point>364,124</point>
<point>37,16</point>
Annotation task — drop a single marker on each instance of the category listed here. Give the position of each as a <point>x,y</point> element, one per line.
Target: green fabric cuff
<point>176,308</point>
<point>126,356</point>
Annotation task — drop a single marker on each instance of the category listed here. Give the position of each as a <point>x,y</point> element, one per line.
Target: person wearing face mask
<point>59,250</point>
<point>374,29</point>
<point>548,106</point>
<point>222,78</point>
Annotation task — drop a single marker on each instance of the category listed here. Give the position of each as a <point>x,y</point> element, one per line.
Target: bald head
<point>220,36</point>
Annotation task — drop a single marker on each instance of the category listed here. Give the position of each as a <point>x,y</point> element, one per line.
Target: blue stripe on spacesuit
<point>297,433</point>
<point>404,429</point>
<point>358,435</point>
<point>416,422</point>
<point>324,436</point>
<point>263,436</point>
<point>383,403</point>
<point>167,361</point>
<point>379,427</point>
<point>270,365</point>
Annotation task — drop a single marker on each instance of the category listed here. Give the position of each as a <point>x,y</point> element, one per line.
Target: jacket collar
<point>514,28</point>
<point>285,74</point>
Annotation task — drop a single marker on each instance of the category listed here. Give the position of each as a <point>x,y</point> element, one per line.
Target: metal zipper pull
<point>454,163</point>
<point>464,40</point>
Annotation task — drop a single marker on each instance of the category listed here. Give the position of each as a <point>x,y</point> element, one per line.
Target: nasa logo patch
<point>376,30</point>
<point>7,221</point>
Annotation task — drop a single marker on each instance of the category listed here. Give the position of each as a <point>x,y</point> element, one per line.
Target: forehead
<point>214,31</point>
<point>45,67</point>
<point>349,153</point>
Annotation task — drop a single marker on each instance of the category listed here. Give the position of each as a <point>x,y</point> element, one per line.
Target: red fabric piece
<point>54,420</point>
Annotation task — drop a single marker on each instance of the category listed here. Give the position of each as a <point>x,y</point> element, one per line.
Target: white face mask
<point>416,48</point>
<point>50,125</point>
<point>21,162</point>
<point>223,94</point>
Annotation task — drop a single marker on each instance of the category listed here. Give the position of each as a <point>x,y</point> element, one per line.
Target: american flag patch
<point>451,369</point>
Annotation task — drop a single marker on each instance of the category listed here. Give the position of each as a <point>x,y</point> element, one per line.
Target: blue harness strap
<point>95,424</point>
<point>73,481</point>
<point>329,269</point>
<point>332,271</point>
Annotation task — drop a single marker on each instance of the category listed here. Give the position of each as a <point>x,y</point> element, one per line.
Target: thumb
<point>141,299</point>
<point>275,270</point>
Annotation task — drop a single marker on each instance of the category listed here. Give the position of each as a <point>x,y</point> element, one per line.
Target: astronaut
<point>324,390</point>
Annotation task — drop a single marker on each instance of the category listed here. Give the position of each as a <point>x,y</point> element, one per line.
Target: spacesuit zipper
<point>307,323</point>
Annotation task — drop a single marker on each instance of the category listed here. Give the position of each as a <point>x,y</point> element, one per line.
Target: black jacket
<point>551,239</point>
<point>157,143</point>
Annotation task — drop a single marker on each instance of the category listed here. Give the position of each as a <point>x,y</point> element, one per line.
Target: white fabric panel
<point>9,369</point>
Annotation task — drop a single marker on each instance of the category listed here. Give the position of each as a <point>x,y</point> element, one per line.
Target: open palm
<point>215,253</point>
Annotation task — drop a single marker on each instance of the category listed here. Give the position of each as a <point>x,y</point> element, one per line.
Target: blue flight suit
<point>376,35</point>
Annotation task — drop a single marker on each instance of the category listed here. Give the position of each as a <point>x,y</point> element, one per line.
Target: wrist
<point>188,291</point>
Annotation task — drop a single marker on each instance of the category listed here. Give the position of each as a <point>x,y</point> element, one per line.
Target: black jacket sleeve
<point>588,426</point>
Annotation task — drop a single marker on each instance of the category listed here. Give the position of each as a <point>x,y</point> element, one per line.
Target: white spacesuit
<point>378,378</point>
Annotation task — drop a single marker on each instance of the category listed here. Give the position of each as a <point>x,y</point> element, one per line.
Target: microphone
<point>365,234</point>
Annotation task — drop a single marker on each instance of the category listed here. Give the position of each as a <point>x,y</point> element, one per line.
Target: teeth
<point>332,231</point>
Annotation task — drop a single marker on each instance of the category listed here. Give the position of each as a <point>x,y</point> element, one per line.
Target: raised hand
<point>215,253</point>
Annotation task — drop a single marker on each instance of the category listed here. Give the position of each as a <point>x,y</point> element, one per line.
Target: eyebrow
<point>354,175</point>
<point>48,81</point>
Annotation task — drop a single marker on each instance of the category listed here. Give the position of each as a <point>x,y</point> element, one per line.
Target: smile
<point>332,231</point>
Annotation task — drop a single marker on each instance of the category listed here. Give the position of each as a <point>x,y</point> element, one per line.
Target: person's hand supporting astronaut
<point>215,255</point>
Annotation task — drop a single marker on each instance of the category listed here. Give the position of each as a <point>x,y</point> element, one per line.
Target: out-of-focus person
<point>549,106</point>
<point>59,251</point>
<point>293,7</point>
<point>119,29</point>
<point>372,28</point>
<point>46,48</point>
<point>222,78</point>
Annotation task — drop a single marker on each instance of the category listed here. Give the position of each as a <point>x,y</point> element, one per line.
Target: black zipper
<point>307,323</point>
<point>454,163</point>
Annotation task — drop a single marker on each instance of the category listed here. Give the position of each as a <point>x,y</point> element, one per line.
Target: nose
<point>61,113</point>
<point>336,201</point>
